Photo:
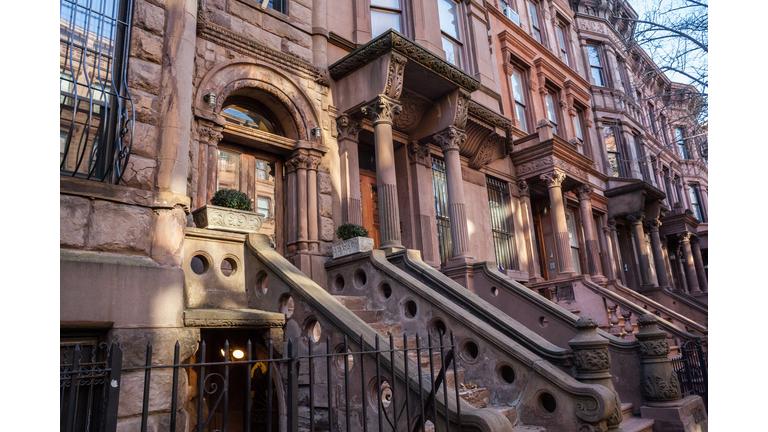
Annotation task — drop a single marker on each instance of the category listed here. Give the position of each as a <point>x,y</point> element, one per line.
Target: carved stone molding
<point>636,218</point>
<point>654,224</point>
<point>210,134</point>
<point>658,387</point>
<point>413,109</point>
<point>419,154</point>
<point>584,192</point>
<point>612,224</point>
<point>654,348</point>
<point>395,76</point>
<point>382,109</point>
<point>695,240</point>
<point>348,128</point>
<point>450,138</point>
<point>684,237</point>
<point>488,116</point>
<point>462,109</point>
<point>554,178</point>
<point>592,360</point>
<point>313,162</point>
<point>296,161</point>
<point>523,187</point>
<point>485,154</point>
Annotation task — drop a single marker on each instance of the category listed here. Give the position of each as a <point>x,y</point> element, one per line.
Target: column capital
<point>654,224</point>
<point>553,179</point>
<point>382,109</point>
<point>313,162</point>
<point>636,218</point>
<point>418,154</point>
<point>210,134</point>
<point>348,127</point>
<point>522,186</point>
<point>695,240</point>
<point>663,240</point>
<point>606,230</point>
<point>583,192</point>
<point>612,224</point>
<point>297,160</point>
<point>685,237</point>
<point>450,138</point>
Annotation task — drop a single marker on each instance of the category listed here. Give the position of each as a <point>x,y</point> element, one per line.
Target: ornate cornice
<point>382,109</point>
<point>391,40</point>
<point>554,178</point>
<point>348,127</point>
<point>450,138</point>
<point>489,116</point>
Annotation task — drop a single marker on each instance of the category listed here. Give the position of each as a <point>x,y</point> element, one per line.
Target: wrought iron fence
<point>275,388</point>
<point>691,368</point>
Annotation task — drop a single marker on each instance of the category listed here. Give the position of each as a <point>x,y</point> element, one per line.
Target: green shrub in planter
<point>233,199</point>
<point>348,230</point>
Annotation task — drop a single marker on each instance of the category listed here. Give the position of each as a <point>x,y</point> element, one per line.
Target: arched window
<point>252,115</point>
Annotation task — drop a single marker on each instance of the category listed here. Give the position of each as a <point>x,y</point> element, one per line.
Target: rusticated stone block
<point>160,391</point>
<point>260,35</point>
<point>144,75</point>
<point>146,46</point>
<point>299,51</point>
<point>225,20</point>
<point>326,230</point>
<point>73,220</point>
<point>144,141</point>
<point>139,173</point>
<point>246,12</point>
<point>149,17</point>
<point>287,31</point>
<point>134,344</point>
<point>326,248</point>
<point>302,14</point>
<point>119,228</point>
<point>324,183</point>
<point>143,104</point>
<point>325,204</point>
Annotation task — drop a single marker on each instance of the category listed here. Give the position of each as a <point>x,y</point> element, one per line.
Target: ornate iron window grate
<point>440,187</point>
<point>498,201</point>
<point>96,109</point>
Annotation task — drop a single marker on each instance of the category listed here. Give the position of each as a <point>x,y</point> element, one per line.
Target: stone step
<point>384,329</point>
<point>626,410</point>
<point>637,424</point>
<point>509,412</point>
<point>370,316</point>
<point>478,397</point>
<point>528,429</point>
<point>353,303</point>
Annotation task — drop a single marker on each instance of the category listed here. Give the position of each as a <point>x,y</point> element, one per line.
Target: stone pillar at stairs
<point>614,240</point>
<point>699,264</point>
<point>382,111</point>
<point>667,265</point>
<point>593,362</point>
<point>554,181</point>
<point>645,265</point>
<point>688,264</point>
<point>351,210</point>
<point>590,238</point>
<point>658,253</point>
<point>312,209</point>
<point>534,269</point>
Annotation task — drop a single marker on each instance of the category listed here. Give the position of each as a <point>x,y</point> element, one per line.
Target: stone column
<point>681,267</point>
<point>658,254</point>
<point>209,137</point>
<point>610,269</point>
<point>688,264</point>
<point>667,265</point>
<point>349,164</point>
<point>381,111</point>
<point>300,161</point>
<point>534,269</point>
<point>642,253</point>
<point>554,182</point>
<point>660,384</point>
<point>614,237</point>
<point>590,238</point>
<point>593,362</point>
<point>699,264</point>
<point>312,211</point>
<point>449,141</point>
<point>291,211</point>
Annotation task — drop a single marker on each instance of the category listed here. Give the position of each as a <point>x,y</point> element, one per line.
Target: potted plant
<point>230,210</point>
<point>354,239</point>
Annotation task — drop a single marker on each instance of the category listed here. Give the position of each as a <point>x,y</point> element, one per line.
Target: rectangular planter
<point>227,219</point>
<point>351,246</point>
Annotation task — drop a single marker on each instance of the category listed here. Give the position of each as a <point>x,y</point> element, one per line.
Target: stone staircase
<point>478,397</point>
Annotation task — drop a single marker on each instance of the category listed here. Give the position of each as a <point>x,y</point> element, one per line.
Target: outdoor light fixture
<point>238,354</point>
<point>210,98</point>
<point>316,131</point>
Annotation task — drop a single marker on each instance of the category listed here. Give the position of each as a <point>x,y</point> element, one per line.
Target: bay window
<point>451,36</point>
<point>612,147</point>
<point>385,15</point>
<point>681,145</point>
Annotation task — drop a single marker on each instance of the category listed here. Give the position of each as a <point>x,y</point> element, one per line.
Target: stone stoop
<point>630,423</point>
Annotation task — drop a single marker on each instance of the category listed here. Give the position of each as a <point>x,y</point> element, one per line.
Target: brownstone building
<point>525,185</point>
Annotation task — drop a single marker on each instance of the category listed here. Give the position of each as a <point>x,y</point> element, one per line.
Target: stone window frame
<point>694,191</point>
<point>402,11</point>
<point>562,27</point>
<point>603,71</point>
<point>619,149</point>
<point>524,77</point>
<point>542,39</point>
<point>556,93</point>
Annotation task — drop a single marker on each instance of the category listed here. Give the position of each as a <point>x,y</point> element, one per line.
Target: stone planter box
<point>351,246</point>
<point>227,219</point>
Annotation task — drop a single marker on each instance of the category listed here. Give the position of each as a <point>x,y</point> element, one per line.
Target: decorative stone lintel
<point>352,246</point>
<point>227,219</point>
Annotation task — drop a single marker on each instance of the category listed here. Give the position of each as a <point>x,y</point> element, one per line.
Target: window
<point>653,121</point>
<point>667,187</point>
<point>519,95</point>
<point>96,110</point>
<point>535,25</point>
<point>278,5</point>
<point>82,386</point>
<point>681,145</point>
<point>698,211</point>
<point>509,11</point>
<point>228,174</point>
<point>612,146</point>
<point>664,129</point>
<point>449,26</point>
<point>262,206</point>
<point>573,240</point>
<point>440,188</point>
<point>552,112</point>
<point>561,39</point>
<point>385,15</point>
<point>503,244</point>
<point>642,161</point>
<point>252,115</point>
<point>596,65</point>
<point>577,124</point>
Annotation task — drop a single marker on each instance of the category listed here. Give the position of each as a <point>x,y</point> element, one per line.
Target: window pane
<point>577,124</point>
<point>394,4</point>
<point>229,171</point>
<point>613,162</point>
<point>452,53</point>
<point>262,206</point>
<point>517,87</point>
<point>610,139</point>
<point>551,109</point>
<point>597,74</point>
<point>262,170</point>
<point>278,5</point>
<point>382,21</point>
<point>594,58</point>
<point>521,117</point>
<point>449,22</point>
<point>560,37</point>
<point>534,16</point>
<point>249,118</point>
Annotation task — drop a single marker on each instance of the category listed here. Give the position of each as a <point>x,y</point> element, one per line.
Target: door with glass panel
<point>370,205</point>
<point>498,202</point>
<point>573,240</point>
<point>440,188</point>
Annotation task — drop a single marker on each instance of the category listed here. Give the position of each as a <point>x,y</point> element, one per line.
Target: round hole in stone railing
<point>506,374</point>
<point>384,392</point>
<point>199,264</point>
<point>385,291</point>
<point>338,283</point>
<point>494,291</point>
<point>547,402</point>
<point>314,330</point>
<point>470,350</point>
<point>338,360</point>
<point>543,322</point>
<point>437,327</point>
<point>228,266</point>
<point>360,279</point>
<point>286,305</point>
<point>410,309</point>
<point>262,283</point>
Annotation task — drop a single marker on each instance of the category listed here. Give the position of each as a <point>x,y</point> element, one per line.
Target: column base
<point>600,279</point>
<point>649,287</point>
<point>460,270</point>
<point>566,275</point>
<point>687,414</point>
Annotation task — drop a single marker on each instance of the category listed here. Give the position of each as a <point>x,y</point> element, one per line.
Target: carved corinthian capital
<point>636,217</point>
<point>684,237</point>
<point>382,109</point>
<point>612,223</point>
<point>583,192</point>
<point>418,154</point>
<point>695,240</point>
<point>209,134</point>
<point>553,179</point>
<point>313,162</point>
<point>522,185</point>
<point>654,224</point>
<point>348,128</point>
<point>297,161</point>
<point>450,138</point>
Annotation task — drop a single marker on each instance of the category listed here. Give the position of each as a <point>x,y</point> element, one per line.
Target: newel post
<point>659,380</point>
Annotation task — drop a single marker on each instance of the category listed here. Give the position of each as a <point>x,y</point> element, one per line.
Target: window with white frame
<point>518,94</point>
<point>508,7</point>
<point>451,36</point>
<point>262,207</point>
<point>596,65</point>
<point>385,15</point>
<point>551,101</point>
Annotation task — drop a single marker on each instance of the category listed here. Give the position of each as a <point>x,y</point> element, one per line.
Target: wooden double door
<point>370,205</point>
